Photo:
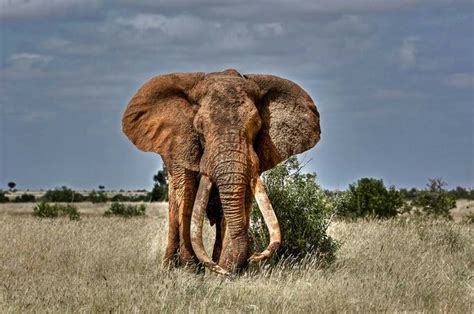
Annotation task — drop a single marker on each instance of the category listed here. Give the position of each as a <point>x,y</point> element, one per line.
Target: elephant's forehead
<point>228,72</point>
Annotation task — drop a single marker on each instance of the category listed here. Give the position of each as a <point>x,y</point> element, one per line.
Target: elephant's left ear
<point>290,120</point>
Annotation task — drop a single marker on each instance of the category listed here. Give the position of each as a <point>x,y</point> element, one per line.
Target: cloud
<point>407,52</point>
<point>396,94</point>
<point>283,8</point>
<point>28,60</point>
<point>176,26</point>
<point>349,25</point>
<point>190,32</point>
<point>26,65</point>
<point>269,29</point>
<point>35,116</point>
<point>26,9</point>
<point>460,80</point>
<point>61,46</point>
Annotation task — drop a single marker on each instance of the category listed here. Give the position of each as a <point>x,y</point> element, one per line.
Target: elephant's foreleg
<point>184,184</point>
<point>171,253</point>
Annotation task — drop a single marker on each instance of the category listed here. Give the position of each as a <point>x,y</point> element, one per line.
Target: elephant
<point>216,133</point>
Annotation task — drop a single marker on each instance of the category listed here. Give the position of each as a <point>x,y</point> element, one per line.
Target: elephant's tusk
<point>200,204</point>
<point>270,218</point>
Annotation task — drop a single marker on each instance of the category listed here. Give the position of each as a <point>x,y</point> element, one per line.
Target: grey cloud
<point>61,46</point>
<point>25,65</point>
<point>176,26</point>
<point>28,60</point>
<point>267,8</point>
<point>460,80</point>
<point>407,52</point>
<point>27,9</point>
<point>396,94</point>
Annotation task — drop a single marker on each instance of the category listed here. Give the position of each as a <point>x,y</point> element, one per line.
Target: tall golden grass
<point>103,264</point>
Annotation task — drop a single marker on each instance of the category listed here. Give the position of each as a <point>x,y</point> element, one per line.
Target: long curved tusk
<point>270,218</point>
<point>200,204</point>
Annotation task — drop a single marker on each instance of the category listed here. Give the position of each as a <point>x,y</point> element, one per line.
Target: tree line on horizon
<point>365,197</point>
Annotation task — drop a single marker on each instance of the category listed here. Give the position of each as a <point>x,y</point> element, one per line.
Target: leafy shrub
<point>435,200</point>
<point>3,197</point>
<point>120,198</point>
<point>302,210</point>
<point>125,210</point>
<point>132,198</point>
<point>462,193</point>
<point>64,195</point>
<point>370,198</point>
<point>47,210</point>
<point>97,197</point>
<point>408,194</point>
<point>25,198</point>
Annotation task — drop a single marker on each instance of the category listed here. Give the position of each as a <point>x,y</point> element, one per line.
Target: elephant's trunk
<point>232,175</point>
<point>199,209</point>
<point>232,191</point>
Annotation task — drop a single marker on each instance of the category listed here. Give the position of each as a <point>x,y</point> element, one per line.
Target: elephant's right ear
<point>159,118</point>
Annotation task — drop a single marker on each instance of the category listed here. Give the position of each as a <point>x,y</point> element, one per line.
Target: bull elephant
<point>216,134</point>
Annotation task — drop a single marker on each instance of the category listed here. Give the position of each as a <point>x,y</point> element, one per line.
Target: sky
<point>393,81</point>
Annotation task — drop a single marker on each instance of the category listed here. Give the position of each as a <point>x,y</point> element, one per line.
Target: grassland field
<point>101,264</point>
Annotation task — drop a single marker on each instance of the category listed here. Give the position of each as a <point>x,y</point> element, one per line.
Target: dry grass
<point>113,264</point>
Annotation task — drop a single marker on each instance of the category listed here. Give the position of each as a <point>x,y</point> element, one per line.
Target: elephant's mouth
<point>264,204</point>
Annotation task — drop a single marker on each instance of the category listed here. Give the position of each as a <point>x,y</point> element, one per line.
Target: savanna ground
<point>113,264</point>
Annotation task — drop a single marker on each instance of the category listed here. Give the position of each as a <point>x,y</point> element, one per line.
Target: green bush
<point>370,198</point>
<point>462,193</point>
<point>120,198</point>
<point>3,197</point>
<point>408,194</point>
<point>25,198</point>
<point>63,195</point>
<point>435,200</point>
<point>132,198</point>
<point>303,213</point>
<point>125,210</point>
<point>97,197</point>
<point>47,210</point>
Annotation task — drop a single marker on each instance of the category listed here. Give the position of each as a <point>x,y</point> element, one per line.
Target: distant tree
<point>97,197</point>
<point>11,185</point>
<point>63,194</point>
<point>461,193</point>
<point>408,194</point>
<point>25,198</point>
<point>369,197</point>
<point>160,189</point>
<point>435,200</point>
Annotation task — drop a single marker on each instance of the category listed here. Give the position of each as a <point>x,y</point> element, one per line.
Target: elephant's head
<point>229,128</point>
